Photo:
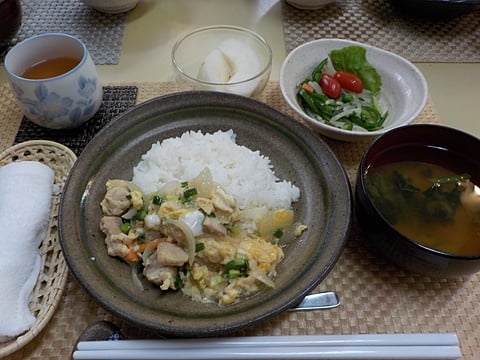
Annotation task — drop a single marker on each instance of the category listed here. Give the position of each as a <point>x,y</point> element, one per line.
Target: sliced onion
<point>316,86</point>
<point>194,220</point>
<point>204,184</point>
<point>146,254</point>
<point>262,278</point>
<point>152,221</point>
<point>134,187</point>
<point>188,235</point>
<point>136,279</point>
<point>346,112</point>
<point>170,187</point>
<point>130,214</point>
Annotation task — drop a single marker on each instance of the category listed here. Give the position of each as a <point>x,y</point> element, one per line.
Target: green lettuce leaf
<point>353,59</point>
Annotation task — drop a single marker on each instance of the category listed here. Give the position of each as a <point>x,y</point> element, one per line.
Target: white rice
<point>243,173</point>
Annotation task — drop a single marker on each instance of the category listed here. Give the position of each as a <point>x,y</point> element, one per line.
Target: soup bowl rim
<point>366,163</point>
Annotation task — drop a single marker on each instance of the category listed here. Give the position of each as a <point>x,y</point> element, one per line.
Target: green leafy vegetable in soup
<point>429,204</point>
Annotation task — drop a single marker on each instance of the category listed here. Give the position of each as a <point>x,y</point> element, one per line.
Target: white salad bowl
<point>404,91</point>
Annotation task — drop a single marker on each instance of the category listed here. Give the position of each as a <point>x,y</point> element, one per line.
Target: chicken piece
<point>163,276</point>
<point>116,201</point>
<point>136,197</point>
<point>174,232</point>
<point>214,226</point>
<point>114,238</point>
<point>205,204</point>
<point>152,235</point>
<point>110,225</point>
<point>117,242</point>
<point>223,201</point>
<point>117,248</point>
<point>169,254</point>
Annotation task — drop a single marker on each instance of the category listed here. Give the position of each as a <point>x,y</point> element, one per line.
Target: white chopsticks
<point>369,346</point>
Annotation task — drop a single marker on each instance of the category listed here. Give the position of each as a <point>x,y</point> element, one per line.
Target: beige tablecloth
<point>376,297</point>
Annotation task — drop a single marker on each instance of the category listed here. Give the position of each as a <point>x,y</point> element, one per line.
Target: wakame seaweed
<point>394,195</point>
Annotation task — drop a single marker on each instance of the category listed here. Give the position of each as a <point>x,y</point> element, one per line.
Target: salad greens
<point>350,108</point>
<point>353,59</point>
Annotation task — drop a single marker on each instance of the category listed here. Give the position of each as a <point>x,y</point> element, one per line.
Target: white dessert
<point>232,62</point>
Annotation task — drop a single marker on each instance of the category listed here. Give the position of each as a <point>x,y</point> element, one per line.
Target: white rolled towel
<point>25,199</point>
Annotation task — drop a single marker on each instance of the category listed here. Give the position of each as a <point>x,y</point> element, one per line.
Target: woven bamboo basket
<point>53,274</point>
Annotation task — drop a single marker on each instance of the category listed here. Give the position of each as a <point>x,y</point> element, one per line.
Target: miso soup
<point>429,204</point>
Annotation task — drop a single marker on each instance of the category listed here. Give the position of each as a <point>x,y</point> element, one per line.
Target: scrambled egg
<point>198,242</point>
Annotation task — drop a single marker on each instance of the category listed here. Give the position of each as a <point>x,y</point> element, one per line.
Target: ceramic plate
<point>296,154</point>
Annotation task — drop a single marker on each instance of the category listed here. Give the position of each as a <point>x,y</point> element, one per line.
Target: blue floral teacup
<point>54,80</point>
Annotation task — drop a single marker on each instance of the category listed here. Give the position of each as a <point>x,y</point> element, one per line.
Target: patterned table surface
<point>101,33</point>
<point>379,23</point>
<point>376,297</point>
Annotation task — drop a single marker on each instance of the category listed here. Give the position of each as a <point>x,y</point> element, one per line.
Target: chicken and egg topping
<point>192,236</point>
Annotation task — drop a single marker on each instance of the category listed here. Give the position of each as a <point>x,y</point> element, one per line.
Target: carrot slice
<point>131,256</point>
<point>308,88</point>
<point>152,245</point>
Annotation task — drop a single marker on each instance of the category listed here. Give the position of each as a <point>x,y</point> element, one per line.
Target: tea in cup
<point>54,80</point>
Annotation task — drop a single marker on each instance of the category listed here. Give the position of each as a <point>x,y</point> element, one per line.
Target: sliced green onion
<point>236,268</point>
<point>141,215</point>
<point>234,273</point>
<point>346,97</point>
<point>278,233</point>
<point>157,200</point>
<point>125,227</point>
<point>187,194</point>
<point>199,247</point>
<point>451,179</point>
<point>317,72</point>
<point>178,282</point>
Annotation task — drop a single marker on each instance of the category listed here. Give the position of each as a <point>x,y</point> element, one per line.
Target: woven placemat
<point>101,33</point>
<point>376,297</point>
<point>116,100</point>
<point>379,23</point>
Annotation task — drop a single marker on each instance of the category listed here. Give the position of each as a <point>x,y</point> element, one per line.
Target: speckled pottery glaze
<point>64,101</point>
<point>296,154</point>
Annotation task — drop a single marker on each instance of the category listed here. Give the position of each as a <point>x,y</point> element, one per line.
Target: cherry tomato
<point>330,86</point>
<point>348,81</point>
